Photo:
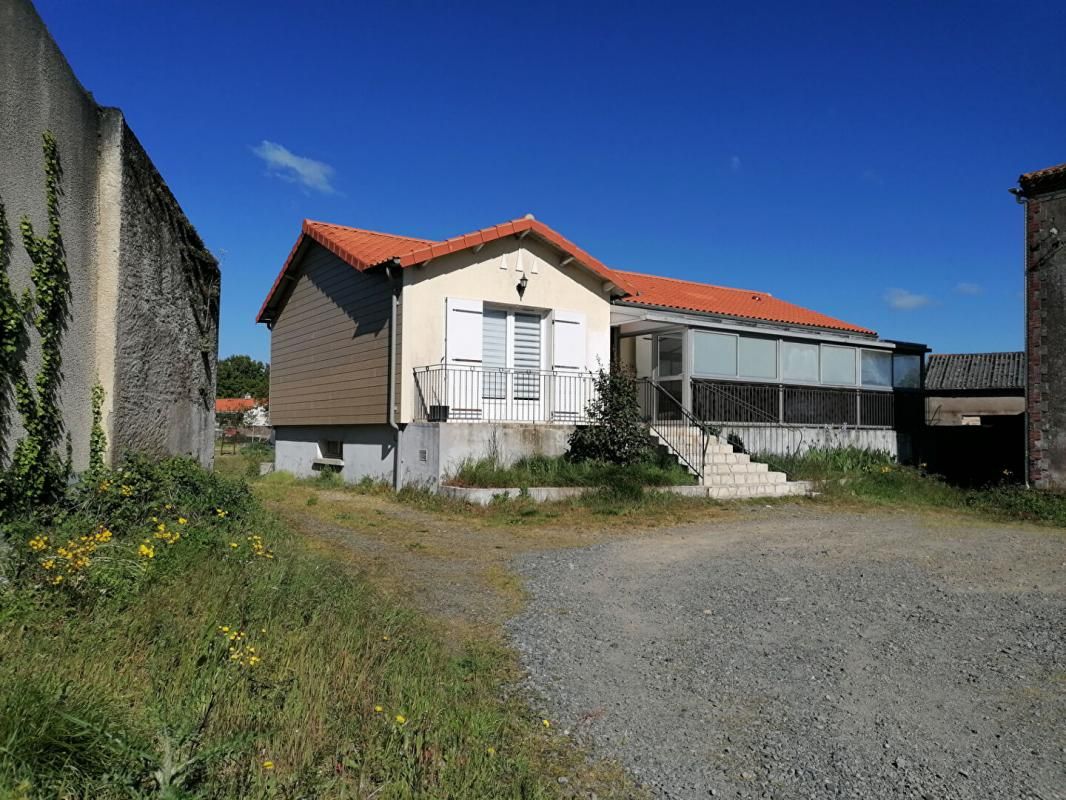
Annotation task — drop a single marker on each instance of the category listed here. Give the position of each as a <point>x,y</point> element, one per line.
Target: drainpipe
<point>394,294</point>
<point>1022,200</point>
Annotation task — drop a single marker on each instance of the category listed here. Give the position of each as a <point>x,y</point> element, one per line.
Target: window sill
<point>329,462</point>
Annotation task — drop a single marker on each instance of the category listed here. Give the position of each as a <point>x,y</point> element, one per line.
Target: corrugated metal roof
<point>975,372</point>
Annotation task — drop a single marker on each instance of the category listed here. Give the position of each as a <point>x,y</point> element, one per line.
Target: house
<point>242,412</point>
<point>140,292</point>
<point>398,357</point>
<point>1044,195</point>
<point>970,388</point>
<point>975,413</point>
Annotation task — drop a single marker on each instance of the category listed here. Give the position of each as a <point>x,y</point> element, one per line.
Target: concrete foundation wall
<point>785,441</point>
<point>429,452</point>
<point>368,450</point>
<point>143,317</point>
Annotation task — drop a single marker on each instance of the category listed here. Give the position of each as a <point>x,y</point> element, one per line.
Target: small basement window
<point>331,448</point>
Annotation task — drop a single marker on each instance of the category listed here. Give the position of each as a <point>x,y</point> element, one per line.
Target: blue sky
<point>851,157</point>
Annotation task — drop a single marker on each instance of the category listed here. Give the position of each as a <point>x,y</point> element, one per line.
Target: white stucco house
<point>397,357</point>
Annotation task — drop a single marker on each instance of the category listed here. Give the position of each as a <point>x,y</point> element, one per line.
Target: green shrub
<point>821,463</point>
<point>615,432</point>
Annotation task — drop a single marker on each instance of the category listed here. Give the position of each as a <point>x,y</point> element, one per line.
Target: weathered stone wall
<point>1046,334</point>
<point>167,321</point>
<point>143,291</point>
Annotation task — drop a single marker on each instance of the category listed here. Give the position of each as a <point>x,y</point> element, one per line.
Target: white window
<point>714,353</point>
<point>799,362</point>
<point>511,354</point>
<point>757,358</point>
<point>838,365</point>
<point>876,368</point>
<point>669,355</point>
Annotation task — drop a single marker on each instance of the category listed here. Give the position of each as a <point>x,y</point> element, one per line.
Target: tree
<point>242,375</point>
<point>616,431</point>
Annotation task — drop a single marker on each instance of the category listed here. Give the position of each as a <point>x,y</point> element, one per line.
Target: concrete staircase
<point>727,474</point>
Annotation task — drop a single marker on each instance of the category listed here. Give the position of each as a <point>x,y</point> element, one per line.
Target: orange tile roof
<point>231,405</point>
<point>743,303</point>
<point>364,249</point>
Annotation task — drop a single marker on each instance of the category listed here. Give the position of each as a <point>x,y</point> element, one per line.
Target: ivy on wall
<point>36,472</point>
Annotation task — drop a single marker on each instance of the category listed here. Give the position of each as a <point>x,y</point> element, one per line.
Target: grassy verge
<point>870,476</point>
<point>560,471</point>
<point>199,650</point>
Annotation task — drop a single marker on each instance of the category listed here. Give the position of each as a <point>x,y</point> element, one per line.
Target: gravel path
<point>811,656</point>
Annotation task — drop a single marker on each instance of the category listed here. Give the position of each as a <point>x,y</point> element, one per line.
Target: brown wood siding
<point>329,349</point>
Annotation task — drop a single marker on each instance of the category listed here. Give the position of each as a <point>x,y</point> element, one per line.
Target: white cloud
<point>734,163</point>
<point>902,300</point>
<point>287,165</point>
<point>968,288</point>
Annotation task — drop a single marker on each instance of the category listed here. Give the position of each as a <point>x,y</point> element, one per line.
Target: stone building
<point>142,317</point>
<point>1044,195</point>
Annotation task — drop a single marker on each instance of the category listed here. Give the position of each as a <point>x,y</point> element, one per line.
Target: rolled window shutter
<point>463,332</point>
<point>568,340</point>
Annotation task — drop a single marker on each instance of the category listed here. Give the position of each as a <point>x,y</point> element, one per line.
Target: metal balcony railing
<point>454,393</point>
<point>783,404</point>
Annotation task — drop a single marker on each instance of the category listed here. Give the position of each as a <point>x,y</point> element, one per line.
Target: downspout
<point>1022,200</point>
<point>394,299</point>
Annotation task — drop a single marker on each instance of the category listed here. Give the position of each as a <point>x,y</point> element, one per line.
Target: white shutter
<point>568,340</point>
<point>463,331</point>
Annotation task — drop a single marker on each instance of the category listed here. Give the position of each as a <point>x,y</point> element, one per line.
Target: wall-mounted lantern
<point>523,282</point>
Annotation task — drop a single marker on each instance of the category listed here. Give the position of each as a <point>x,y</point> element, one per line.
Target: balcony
<point>454,393</point>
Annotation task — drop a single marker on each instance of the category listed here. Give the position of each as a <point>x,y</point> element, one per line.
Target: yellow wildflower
<point>221,514</point>
<point>490,750</point>
<point>105,486</point>
<point>401,719</point>
<point>127,491</point>
<point>168,506</point>
<point>385,638</point>
<point>182,520</point>
<point>58,579</point>
<point>378,709</point>
<point>545,723</point>
<point>103,535</point>
<point>146,550</point>
<point>268,765</point>
<point>234,545</point>
<point>38,543</point>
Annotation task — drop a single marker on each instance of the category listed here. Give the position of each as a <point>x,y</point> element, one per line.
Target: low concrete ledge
<point>546,494</point>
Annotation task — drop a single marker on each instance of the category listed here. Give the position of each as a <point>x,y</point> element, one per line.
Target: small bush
<point>821,463</point>
<point>616,432</point>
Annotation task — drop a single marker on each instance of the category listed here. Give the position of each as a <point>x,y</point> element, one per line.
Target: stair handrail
<point>695,458</point>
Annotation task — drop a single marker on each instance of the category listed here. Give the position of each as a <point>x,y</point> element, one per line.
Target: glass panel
<point>669,356</point>
<point>907,372</point>
<point>527,356</point>
<point>876,368</point>
<point>838,365</point>
<point>758,358</point>
<point>494,353</point>
<point>714,354</point>
<point>799,362</point>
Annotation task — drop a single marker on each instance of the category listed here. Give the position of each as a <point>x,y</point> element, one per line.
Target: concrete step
<point>729,469</point>
<point>743,478</point>
<point>790,489</point>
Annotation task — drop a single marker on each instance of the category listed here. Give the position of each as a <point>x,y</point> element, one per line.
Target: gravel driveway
<point>800,655</point>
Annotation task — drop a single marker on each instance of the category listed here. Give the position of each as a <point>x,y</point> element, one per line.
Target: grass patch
<point>237,661</point>
<point>854,474</point>
<point>560,471</point>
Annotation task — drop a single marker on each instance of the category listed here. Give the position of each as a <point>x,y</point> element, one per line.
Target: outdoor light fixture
<point>523,282</point>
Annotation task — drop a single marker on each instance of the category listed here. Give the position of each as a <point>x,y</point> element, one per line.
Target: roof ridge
<point>988,353</point>
<point>418,239</point>
<point>697,283</point>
